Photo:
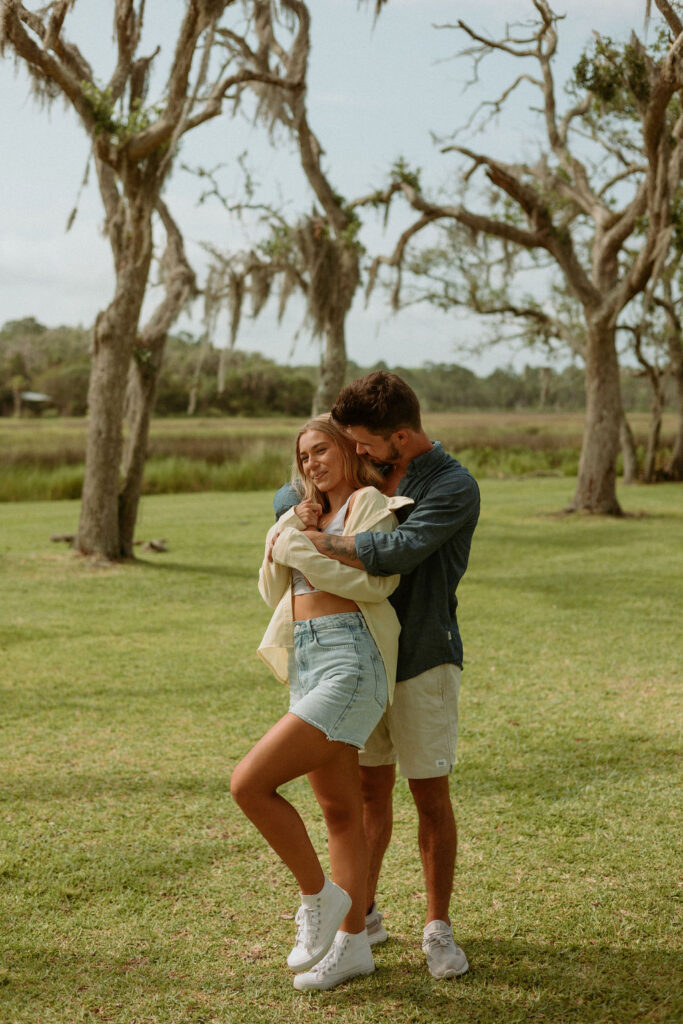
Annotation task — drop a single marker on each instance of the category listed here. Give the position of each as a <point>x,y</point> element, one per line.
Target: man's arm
<point>437,518</point>
<point>296,550</point>
<point>285,498</point>
<point>343,549</point>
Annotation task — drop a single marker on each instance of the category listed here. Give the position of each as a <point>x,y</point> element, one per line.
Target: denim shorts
<point>337,681</point>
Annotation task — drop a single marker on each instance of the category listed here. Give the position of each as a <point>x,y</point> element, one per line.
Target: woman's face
<point>321,460</point>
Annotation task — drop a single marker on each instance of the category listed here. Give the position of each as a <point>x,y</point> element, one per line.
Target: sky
<point>376,91</point>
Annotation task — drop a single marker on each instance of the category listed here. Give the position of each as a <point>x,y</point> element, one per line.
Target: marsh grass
<point>42,459</point>
<point>131,888</point>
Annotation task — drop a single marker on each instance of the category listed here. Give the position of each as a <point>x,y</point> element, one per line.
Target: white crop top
<point>300,584</point>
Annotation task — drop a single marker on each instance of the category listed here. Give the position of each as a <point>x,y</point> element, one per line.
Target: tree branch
<point>179,280</point>
<point>66,74</point>
<point>127,38</point>
<point>671,17</point>
<point>147,141</point>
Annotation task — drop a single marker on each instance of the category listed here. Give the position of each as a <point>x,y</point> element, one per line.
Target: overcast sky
<point>375,92</point>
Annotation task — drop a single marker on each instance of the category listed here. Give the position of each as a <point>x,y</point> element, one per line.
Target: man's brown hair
<point>381,402</point>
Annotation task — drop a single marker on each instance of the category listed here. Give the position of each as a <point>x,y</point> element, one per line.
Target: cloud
<point>57,279</point>
<point>523,9</point>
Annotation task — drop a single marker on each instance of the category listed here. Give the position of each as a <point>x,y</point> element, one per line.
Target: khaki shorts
<point>420,728</point>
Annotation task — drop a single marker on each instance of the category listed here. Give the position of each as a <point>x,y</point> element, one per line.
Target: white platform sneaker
<point>318,919</point>
<point>348,957</point>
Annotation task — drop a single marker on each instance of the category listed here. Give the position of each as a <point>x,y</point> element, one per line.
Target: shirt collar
<point>426,461</point>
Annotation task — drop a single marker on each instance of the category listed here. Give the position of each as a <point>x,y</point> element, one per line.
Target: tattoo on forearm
<point>336,547</point>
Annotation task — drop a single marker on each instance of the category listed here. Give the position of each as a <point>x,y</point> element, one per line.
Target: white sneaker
<point>445,959</point>
<point>317,920</point>
<point>374,927</point>
<point>349,956</point>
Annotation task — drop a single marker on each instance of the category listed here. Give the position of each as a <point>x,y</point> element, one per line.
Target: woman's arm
<point>274,578</point>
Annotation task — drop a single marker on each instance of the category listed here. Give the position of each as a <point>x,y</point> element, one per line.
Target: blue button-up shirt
<point>430,550</point>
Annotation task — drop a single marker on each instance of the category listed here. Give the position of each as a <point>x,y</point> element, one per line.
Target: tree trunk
<point>596,484</point>
<point>655,431</point>
<point>332,368</point>
<point>222,366</point>
<point>140,398</point>
<point>203,348</point>
<point>145,367</point>
<point>114,337</point>
<point>98,530</point>
<point>674,467</point>
<point>629,452</point>
<point>544,379</point>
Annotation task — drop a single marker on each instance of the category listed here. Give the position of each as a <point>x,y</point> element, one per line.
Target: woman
<point>333,637</point>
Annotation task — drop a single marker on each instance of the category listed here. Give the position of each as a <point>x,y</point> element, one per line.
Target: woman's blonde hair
<point>359,472</point>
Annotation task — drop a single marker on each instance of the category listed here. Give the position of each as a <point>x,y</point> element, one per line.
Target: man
<point>430,550</point>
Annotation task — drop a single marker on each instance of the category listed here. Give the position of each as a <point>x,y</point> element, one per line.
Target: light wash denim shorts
<point>337,681</point>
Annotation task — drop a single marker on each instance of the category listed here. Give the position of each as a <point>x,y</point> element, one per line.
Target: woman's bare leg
<point>290,749</point>
<point>337,788</point>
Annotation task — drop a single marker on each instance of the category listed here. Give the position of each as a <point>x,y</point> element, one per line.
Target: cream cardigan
<point>371,511</point>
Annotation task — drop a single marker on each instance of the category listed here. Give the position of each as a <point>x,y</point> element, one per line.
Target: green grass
<point>133,891</point>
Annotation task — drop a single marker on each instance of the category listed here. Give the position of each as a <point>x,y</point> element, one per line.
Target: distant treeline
<point>54,362</point>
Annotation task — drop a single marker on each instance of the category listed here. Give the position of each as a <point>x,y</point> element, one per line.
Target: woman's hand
<point>309,513</point>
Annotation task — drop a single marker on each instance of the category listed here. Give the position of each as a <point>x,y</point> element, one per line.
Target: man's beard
<point>389,460</point>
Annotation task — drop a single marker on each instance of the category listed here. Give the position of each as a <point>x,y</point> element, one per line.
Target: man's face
<point>377,448</point>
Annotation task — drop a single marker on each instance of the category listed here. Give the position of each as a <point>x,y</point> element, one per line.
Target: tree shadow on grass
<point>575,588</point>
<point>224,570</point>
<point>509,981</point>
<point>550,769</point>
<point>514,980</point>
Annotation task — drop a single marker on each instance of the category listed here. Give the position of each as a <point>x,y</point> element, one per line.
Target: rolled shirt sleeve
<point>432,523</point>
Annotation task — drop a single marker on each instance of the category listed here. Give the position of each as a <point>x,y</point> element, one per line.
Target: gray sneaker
<point>374,927</point>
<point>349,957</point>
<point>445,959</point>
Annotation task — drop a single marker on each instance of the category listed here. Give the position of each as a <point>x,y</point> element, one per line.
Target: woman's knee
<point>243,785</point>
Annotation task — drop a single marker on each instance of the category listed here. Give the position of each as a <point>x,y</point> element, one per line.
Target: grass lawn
<point>133,891</point>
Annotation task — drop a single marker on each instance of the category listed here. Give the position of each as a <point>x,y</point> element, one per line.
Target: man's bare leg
<point>438,842</point>
<point>377,786</point>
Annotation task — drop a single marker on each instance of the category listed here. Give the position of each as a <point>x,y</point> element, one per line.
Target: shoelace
<point>330,961</point>
<point>307,920</point>
<point>438,939</point>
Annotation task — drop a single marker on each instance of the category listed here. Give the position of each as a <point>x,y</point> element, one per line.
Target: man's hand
<point>271,545</point>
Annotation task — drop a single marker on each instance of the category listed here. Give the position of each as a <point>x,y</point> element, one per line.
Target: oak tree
<point>596,202</point>
<point>318,254</point>
<point>134,144</point>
